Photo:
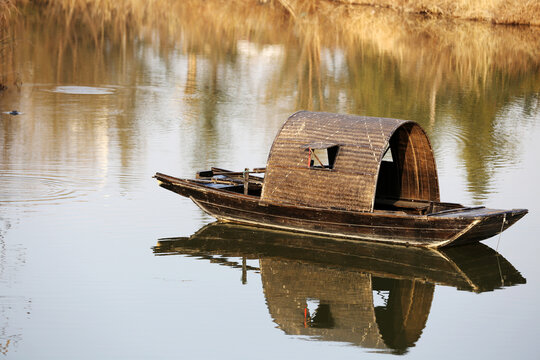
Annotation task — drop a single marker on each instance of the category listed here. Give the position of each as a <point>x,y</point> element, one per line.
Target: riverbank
<point>471,49</point>
<point>508,12</point>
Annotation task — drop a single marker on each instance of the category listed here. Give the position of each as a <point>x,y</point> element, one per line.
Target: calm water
<point>97,261</point>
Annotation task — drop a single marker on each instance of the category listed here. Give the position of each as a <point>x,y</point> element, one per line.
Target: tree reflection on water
<point>459,80</point>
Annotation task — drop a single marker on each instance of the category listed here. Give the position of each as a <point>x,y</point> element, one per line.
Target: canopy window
<point>321,155</point>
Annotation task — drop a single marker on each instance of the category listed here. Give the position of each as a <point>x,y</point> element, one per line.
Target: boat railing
<point>246,177</point>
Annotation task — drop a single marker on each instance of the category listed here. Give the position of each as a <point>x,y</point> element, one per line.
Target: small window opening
<point>322,158</point>
<point>388,155</point>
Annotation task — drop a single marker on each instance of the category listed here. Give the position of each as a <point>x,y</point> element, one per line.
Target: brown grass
<point>523,12</point>
<point>450,51</point>
<point>7,8</point>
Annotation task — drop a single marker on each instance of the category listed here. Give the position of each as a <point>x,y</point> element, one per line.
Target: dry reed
<point>466,50</point>
<point>462,52</point>
<point>7,8</point>
<point>522,12</point>
<point>451,53</point>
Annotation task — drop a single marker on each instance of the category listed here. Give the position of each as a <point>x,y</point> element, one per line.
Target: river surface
<point>95,260</point>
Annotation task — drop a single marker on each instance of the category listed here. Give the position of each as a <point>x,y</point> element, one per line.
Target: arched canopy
<point>329,160</point>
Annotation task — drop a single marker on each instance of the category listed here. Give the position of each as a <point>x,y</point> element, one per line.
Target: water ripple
<point>22,188</point>
<point>83,90</point>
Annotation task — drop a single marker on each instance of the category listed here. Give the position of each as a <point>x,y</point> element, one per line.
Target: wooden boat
<point>349,177</point>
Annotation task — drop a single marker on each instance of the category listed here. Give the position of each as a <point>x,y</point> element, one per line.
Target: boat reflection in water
<point>376,296</point>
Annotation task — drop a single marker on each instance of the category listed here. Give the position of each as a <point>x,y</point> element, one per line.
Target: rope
<point>502,228</point>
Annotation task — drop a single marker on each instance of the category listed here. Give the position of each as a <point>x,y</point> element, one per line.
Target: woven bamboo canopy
<point>353,173</point>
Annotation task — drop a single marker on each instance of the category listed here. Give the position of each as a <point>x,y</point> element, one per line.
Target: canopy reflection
<point>375,296</point>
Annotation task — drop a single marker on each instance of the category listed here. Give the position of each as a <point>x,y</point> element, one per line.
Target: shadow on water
<point>371,295</point>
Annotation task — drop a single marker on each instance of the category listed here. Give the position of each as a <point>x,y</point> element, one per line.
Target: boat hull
<point>433,230</point>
